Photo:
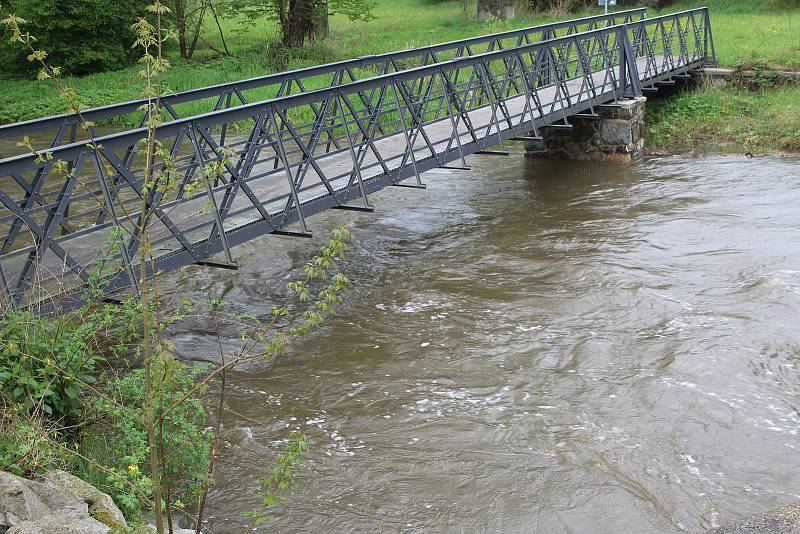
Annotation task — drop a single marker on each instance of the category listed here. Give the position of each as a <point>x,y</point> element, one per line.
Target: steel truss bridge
<point>287,146</point>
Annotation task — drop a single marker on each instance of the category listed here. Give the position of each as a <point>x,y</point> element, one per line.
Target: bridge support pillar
<point>614,134</point>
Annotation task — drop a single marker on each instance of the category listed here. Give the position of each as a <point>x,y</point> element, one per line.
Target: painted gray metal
<point>213,98</point>
<point>301,154</point>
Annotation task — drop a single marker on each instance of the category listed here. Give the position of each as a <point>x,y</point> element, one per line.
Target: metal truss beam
<point>241,172</point>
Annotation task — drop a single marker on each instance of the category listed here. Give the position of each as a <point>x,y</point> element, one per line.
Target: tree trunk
<point>320,30</point>
<point>221,33</point>
<point>300,22</point>
<point>180,15</point>
<point>196,35</point>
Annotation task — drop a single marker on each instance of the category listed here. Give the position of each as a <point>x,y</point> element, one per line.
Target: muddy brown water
<point>531,347</point>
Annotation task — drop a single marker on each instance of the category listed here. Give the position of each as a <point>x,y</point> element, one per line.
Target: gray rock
<point>60,504</point>
<point>61,523</point>
<point>17,501</point>
<point>783,520</point>
<point>93,497</point>
<point>24,500</point>
<point>615,132</point>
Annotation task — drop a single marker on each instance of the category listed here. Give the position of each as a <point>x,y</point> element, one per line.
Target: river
<point>532,347</point>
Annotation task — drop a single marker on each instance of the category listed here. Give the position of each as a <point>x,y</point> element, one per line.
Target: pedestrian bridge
<point>284,147</point>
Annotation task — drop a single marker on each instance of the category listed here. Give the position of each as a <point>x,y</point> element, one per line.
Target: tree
<point>81,36</point>
<point>189,16</point>
<point>300,20</point>
<point>184,10</point>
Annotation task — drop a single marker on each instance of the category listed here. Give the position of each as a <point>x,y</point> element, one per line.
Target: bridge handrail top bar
<point>99,112</point>
<point>246,111</point>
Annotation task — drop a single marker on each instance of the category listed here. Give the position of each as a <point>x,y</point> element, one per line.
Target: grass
<point>728,120</point>
<point>760,32</point>
<point>764,33</point>
<point>747,33</point>
<point>255,52</point>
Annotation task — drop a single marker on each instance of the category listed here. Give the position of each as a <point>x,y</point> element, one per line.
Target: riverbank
<point>727,120</point>
<point>760,33</point>
<point>783,520</point>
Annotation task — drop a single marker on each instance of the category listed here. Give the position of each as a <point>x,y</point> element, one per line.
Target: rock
<point>99,503</point>
<point>783,520</point>
<point>72,522</point>
<point>615,132</point>
<point>25,500</point>
<point>60,504</point>
<point>17,502</point>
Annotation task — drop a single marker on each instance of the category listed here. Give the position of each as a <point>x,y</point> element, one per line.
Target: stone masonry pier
<point>615,133</point>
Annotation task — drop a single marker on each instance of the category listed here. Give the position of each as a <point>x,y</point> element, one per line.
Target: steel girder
<point>304,153</point>
<point>63,128</point>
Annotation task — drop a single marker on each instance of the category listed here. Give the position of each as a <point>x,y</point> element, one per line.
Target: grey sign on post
<point>606,3</point>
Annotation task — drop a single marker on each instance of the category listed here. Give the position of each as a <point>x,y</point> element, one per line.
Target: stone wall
<point>753,80</point>
<point>616,134</point>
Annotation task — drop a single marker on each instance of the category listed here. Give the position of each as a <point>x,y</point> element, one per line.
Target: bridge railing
<point>64,129</point>
<point>285,167</point>
<point>671,42</point>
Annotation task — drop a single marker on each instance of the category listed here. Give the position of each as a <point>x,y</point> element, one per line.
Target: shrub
<point>80,36</point>
<point>45,363</point>
<point>27,446</point>
<point>118,438</point>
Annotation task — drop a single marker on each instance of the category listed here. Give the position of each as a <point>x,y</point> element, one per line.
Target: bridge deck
<point>291,167</point>
<point>336,167</point>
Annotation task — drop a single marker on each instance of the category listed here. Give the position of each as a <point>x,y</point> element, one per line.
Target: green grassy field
<point>256,52</point>
<point>760,32</point>
<point>747,32</point>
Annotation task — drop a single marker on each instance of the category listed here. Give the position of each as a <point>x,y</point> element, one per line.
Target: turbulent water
<point>533,347</point>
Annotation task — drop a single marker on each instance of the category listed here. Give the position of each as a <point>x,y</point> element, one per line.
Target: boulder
<point>98,502</point>
<point>17,501</point>
<point>61,522</point>
<point>25,500</point>
<point>60,504</point>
